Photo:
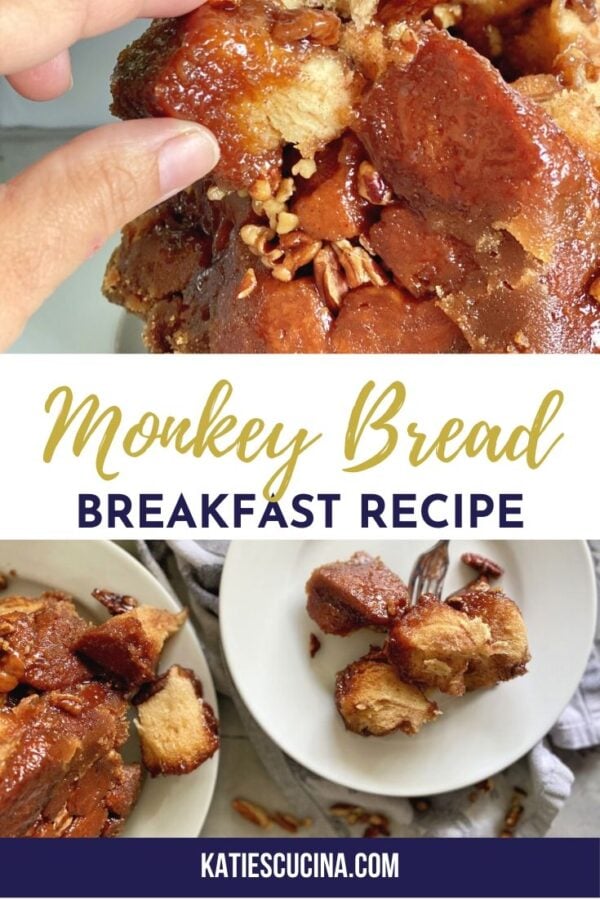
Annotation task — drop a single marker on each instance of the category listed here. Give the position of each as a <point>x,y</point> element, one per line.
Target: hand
<point>57,213</point>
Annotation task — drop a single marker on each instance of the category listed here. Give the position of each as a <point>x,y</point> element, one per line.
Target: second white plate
<point>266,630</point>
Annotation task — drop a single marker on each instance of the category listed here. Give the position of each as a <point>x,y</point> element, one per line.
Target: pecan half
<point>252,813</point>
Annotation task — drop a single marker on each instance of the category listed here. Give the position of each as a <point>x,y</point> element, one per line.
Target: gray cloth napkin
<point>193,570</point>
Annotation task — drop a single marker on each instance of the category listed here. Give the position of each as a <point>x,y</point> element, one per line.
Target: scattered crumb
<point>314,645</point>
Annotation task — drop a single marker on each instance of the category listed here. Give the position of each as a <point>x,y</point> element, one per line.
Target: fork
<point>429,572</point>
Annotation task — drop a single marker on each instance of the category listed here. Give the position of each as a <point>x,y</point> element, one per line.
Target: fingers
<point>35,31</point>
<point>57,213</point>
<point>46,81</point>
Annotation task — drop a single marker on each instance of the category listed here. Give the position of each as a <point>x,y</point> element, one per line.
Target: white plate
<point>168,806</point>
<point>266,629</point>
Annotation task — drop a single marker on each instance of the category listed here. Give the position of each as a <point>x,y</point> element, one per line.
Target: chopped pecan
<point>252,813</point>
<point>372,187</point>
<point>348,811</point>
<point>482,565</point>
<point>298,250</point>
<point>359,268</point>
<point>287,222</point>
<point>260,190</point>
<point>378,820</point>
<point>4,581</point>
<point>375,831</point>
<point>585,9</point>
<point>331,282</point>
<point>513,816</point>
<point>575,67</point>
<point>445,15</point>
<point>320,26</point>
<point>594,290</point>
<point>314,645</point>
<point>68,703</point>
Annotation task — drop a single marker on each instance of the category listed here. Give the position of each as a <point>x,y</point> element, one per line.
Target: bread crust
<point>361,592</point>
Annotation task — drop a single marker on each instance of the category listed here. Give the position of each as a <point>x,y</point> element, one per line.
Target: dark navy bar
<point>427,868</point>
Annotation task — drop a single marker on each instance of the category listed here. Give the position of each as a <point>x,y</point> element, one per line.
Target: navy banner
<point>301,868</point>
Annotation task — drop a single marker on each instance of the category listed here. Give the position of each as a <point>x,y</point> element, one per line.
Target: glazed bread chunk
<point>359,593</point>
<point>258,75</point>
<point>508,650</point>
<point>372,700</point>
<point>177,727</point>
<point>129,645</point>
<point>434,645</point>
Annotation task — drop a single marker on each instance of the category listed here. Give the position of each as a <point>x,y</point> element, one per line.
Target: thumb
<point>54,215</point>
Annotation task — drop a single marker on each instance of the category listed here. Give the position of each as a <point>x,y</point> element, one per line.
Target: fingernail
<point>186,158</point>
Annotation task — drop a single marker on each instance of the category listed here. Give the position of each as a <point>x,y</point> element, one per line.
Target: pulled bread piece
<point>48,745</point>
<point>129,645</point>
<point>435,644</point>
<point>397,194</point>
<point>508,650</point>
<point>38,638</point>
<point>372,700</point>
<point>358,593</point>
<point>177,727</point>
